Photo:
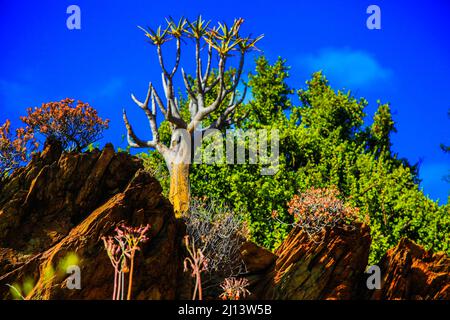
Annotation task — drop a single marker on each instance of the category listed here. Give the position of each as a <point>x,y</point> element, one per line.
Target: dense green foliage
<point>324,141</point>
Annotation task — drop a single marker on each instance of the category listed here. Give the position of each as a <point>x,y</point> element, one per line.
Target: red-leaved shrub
<point>14,150</point>
<point>75,126</point>
<point>318,208</point>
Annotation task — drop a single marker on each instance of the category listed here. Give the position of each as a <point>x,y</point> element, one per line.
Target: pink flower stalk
<point>121,247</point>
<point>131,237</point>
<point>115,256</point>
<point>197,263</point>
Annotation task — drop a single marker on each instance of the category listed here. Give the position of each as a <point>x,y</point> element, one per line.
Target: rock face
<point>54,212</point>
<point>334,268</point>
<point>41,203</point>
<point>410,272</point>
<point>330,269</point>
<point>61,204</point>
<point>259,262</point>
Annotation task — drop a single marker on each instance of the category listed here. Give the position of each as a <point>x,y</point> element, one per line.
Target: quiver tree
<point>219,43</point>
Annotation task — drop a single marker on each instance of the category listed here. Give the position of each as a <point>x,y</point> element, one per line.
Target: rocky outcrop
<point>60,206</point>
<point>258,262</point>
<point>410,272</point>
<point>331,268</point>
<point>42,202</point>
<point>55,211</point>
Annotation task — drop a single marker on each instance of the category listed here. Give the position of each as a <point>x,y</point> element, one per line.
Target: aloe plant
<point>222,41</point>
<point>121,251</point>
<point>197,263</point>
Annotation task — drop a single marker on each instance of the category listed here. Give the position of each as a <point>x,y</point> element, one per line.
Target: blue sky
<point>406,63</point>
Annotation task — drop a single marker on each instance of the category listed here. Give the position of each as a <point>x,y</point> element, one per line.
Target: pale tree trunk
<point>179,188</point>
<point>178,160</point>
<point>223,41</point>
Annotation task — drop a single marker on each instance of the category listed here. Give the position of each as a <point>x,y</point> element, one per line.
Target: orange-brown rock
<point>408,271</point>
<point>42,202</point>
<point>258,262</point>
<point>256,258</point>
<point>61,204</point>
<point>330,268</point>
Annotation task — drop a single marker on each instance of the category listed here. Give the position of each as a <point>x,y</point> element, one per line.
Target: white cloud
<point>352,69</point>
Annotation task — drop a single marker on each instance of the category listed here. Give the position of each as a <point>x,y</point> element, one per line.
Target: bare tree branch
<point>222,40</point>
<point>208,68</point>
<point>226,118</point>
<point>172,115</point>
<point>161,60</point>
<point>177,58</point>
<point>237,77</point>
<point>133,139</point>
<point>188,86</point>
<point>198,60</point>
<point>159,102</point>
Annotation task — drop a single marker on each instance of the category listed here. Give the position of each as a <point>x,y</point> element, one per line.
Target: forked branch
<point>222,42</point>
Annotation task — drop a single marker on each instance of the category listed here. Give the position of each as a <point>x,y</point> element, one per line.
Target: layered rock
<point>42,202</point>
<point>333,267</point>
<point>61,205</point>
<point>408,271</point>
<point>259,262</point>
<point>329,268</point>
